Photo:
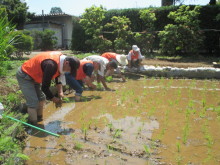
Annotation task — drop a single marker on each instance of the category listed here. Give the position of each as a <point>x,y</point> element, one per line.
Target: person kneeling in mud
<point>120,59</point>
<point>134,57</point>
<point>83,76</point>
<point>104,65</point>
<point>34,79</point>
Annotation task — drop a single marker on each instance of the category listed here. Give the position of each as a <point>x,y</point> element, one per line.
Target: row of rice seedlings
<point>202,113</point>
<point>165,124</point>
<point>209,141</point>
<point>186,128</point>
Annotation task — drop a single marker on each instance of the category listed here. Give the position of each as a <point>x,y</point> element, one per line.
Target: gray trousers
<point>30,89</point>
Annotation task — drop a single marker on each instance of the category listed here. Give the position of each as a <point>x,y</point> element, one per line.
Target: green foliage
<point>184,36</point>
<point>149,17</point>
<point>36,35</point>
<point>6,36</point>
<point>147,39</point>
<point>79,37</point>
<point>207,18</point>
<point>120,26</point>
<point>48,40</point>
<point>24,43</point>
<point>109,79</point>
<point>218,17</point>
<point>10,146</point>
<point>16,10</point>
<point>44,40</point>
<point>55,10</point>
<point>92,24</point>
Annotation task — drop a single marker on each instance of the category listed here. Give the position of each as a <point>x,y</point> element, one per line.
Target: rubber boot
<point>40,111</point>
<point>32,116</point>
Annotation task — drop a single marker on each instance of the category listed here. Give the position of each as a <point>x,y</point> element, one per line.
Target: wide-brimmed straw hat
<point>135,48</point>
<point>122,59</point>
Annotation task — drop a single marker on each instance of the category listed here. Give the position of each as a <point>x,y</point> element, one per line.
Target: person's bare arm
<point>88,81</point>
<point>60,90</point>
<point>102,79</point>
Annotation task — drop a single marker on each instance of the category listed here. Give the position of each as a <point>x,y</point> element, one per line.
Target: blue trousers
<point>77,85</point>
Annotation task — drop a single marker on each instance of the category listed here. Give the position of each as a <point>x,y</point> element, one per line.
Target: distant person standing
<point>120,59</point>
<point>134,57</point>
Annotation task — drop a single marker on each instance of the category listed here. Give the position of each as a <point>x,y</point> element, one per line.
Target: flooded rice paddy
<point>144,121</point>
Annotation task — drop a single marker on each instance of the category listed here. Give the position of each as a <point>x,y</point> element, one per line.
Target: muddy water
<point>144,121</point>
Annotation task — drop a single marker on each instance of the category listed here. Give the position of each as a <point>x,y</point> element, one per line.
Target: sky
<point>77,7</point>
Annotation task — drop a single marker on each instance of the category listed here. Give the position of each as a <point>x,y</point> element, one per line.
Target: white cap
<point>135,48</point>
<point>122,59</point>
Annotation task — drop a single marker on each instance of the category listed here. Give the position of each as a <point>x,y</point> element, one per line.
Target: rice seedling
<point>209,156</point>
<point>185,132</point>
<point>136,100</point>
<point>178,146</point>
<point>139,130</point>
<point>170,102</point>
<point>147,149</point>
<point>85,131</point>
<point>152,111</point>
<point>117,133</point>
<point>179,159</point>
<point>73,135</point>
<point>144,92</point>
<point>110,126</point>
<point>109,79</point>
<point>78,146</point>
<point>207,135</point>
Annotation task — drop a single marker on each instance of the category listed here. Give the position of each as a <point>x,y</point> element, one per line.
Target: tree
<point>146,40</point>
<point>122,31</point>
<point>184,35</point>
<point>92,24</point>
<point>24,43</point>
<point>79,37</point>
<point>55,10</point>
<point>48,40</point>
<point>212,2</point>
<point>16,10</point>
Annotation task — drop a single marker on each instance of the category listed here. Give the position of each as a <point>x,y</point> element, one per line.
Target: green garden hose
<point>40,129</point>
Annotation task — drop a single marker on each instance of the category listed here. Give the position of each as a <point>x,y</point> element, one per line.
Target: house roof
<point>54,15</point>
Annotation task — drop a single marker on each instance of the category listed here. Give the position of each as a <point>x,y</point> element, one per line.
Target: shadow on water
<point>53,127</point>
<point>85,98</point>
<point>134,76</point>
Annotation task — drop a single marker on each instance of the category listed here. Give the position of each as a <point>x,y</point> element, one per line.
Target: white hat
<point>135,48</point>
<point>122,59</point>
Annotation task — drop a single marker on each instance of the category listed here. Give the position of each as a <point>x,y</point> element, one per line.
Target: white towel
<point>62,77</point>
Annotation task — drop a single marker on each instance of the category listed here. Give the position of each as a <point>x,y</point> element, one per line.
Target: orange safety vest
<point>134,55</point>
<point>109,55</point>
<point>80,73</point>
<point>33,66</point>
